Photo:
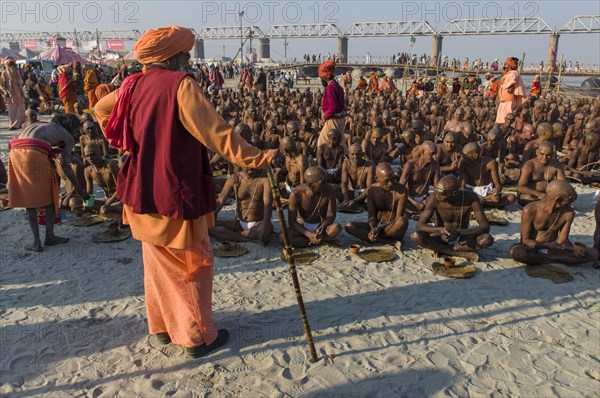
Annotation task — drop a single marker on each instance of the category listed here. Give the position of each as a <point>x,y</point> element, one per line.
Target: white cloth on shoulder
<point>483,190</point>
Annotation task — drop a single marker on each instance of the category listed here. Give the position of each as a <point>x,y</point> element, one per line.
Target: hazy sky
<point>90,15</point>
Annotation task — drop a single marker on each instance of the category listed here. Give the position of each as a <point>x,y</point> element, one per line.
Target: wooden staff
<point>287,253</point>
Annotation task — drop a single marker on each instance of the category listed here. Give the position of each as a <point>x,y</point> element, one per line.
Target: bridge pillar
<point>264,48</point>
<point>436,50</point>
<point>199,49</point>
<point>552,50</point>
<point>342,49</point>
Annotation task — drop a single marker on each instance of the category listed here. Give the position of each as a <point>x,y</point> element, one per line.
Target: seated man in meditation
<point>452,234</point>
<point>254,202</point>
<point>312,211</point>
<point>330,156</point>
<point>103,172</point>
<point>537,173</point>
<point>418,174</point>
<point>584,159</point>
<point>374,146</point>
<point>386,201</point>
<point>295,163</point>
<point>448,156</point>
<point>480,174</point>
<point>357,175</point>
<point>545,227</point>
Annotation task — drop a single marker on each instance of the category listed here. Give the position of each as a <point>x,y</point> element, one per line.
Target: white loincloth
<point>247,225</point>
<point>420,198</point>
<point>331,171</point>
<point>483,190</point>
<point>311,227</point>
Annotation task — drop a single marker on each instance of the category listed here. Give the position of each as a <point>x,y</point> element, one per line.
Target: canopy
<point>5,52</point>
<point>60,56</point>
<point>130,56</point>
<point>28,54</point>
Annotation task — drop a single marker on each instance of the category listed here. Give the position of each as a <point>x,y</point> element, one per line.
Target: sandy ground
<point>73,323</point>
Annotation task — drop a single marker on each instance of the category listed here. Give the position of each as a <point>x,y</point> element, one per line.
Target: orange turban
<point>511,62</point>
<point>157,45</point>
<point>326,68</point>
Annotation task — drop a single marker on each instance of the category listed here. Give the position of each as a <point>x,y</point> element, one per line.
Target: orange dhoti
<point>178,275</point>
<point>92,99</point>
<point>32,179</point>
<point>69,101</point>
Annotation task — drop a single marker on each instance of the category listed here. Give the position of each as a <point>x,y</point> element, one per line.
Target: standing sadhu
<point>512,90</point>
<point>162,119</point>
<point>12,90</point>
<point>333,103</point>
<point>66,88</point>
<point>90,82</point>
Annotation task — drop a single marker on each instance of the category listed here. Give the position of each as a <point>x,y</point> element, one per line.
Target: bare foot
<point>55,240</point>
<point>34,247</point>
<point>398,245</point>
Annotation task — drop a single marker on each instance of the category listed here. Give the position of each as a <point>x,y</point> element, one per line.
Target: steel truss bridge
<point>459,27</point>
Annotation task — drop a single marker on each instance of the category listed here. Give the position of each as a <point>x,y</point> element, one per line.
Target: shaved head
<point>528,128</point>
<point>314,175</point>
<point>472,147</point>
<point>384,170</point>
<point>447,185</point>
<point>494,133</point>
<point>545,130</point>
<point>355,148</point>
<point>561,188</point>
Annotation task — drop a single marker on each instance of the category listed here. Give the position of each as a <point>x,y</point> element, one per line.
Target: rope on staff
<point>287,253</point>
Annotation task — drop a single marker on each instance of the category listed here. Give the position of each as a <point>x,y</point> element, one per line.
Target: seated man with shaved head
<point>386,201</point>
<point>584,160</point>
<point>495,148</point>
<point>295,163</point>
<point>448,156</point>
<point>545,132</point>
<point>312,211</point>
<point>480,174</point>
<point>102,172</point>
<point>374,146</point>
<point>537,173</point>
<point>452,235</point>
<point>545,227</point>
<point>418,174</point>
<point>357,175</point>
<point>254,202</point>
<point>330,156</point>
<point>517,143</point>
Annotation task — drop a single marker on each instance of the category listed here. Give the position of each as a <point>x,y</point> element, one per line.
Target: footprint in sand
<point>296,360</point>
<point>20,362</point>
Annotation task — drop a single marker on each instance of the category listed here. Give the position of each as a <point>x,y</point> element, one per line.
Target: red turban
<point>511,62</point>
<point>326,68</point>
<point>157,45</point>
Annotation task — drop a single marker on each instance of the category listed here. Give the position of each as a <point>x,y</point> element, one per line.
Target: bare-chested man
<point>537,173</point>
<point>374,146</point>
<point>92,135</point>
<point>495,148</point>
<point>448,156</point>
<point>312,211</point>
<point>253,208</point>
<point>584,159</point>
<point>480,174</point>
<point>104,173</point>
<point>545,227</point>
<point>357,175</point>
<point>455,125</point>
<point>418,174</point>
<point>574,134</point>
<point>544,132</point>
<point>295,163</point>
<point>330,156</point>
<point>386,201</point>
<point>452,235</point>
<point>31,150</point>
